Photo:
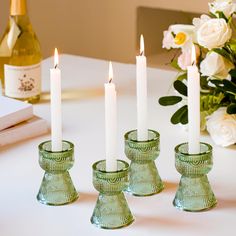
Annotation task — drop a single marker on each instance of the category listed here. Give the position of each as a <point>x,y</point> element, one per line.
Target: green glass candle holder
<point>57,187</point>
<point>111,210</point>
<point>194,192</point>
<point>144,179</point>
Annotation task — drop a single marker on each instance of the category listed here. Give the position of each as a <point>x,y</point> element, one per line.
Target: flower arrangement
<point>215,47</point>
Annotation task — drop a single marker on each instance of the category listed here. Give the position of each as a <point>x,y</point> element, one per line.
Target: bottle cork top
<point>18,7</point>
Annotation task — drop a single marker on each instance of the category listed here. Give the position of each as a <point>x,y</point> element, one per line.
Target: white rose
<point>197,22</point>
<point>215,65</point>
<point>214,33</point>
<point>226,6</point>
<point>222,127</point>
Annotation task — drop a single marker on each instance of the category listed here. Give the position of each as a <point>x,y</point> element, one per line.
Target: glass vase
<point>144,179</point>
<point>111,210</point>
<point>57,187</point>
<point>194,192</point>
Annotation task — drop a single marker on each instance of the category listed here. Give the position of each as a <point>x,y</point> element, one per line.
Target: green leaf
<point>177,116</point>
<point>204,82</point>
<point>222,15</point>
<point>232,45</point>
<point>184,118</point>
<point>181,87</point>
<point>212,15</point>
<point>182,77</point>
<point>229,86</point>
<point>233,41</point>
<point>175,65</point>
<point>233,72</point>
<point>223,53</point>
<point>169,100</point>
<point>217,82</point>
<point>233,80</point>
<point>233,75</point>
<point>231,109</point>
<point>225,85</point>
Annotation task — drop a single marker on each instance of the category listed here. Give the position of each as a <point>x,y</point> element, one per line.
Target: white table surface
<point>83,124</point>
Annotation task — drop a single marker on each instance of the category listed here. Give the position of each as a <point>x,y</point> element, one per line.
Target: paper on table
<point>13,112</point>
<point>33,127</point>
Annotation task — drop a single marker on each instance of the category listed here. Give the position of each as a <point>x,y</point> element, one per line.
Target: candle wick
<point>142,53</point>
<point>55,67</point>
<point>110,80</point>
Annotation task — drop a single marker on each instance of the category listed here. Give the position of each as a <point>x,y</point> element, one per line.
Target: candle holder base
<point>194,192</point>
<point>111,210</point>
<point>57,187</point>
<point>144,179</point>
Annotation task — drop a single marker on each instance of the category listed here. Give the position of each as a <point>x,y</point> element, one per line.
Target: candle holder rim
<point>126,167</point>
<point>195,154</point>
<point>70,147</point>
<point>157,136</point>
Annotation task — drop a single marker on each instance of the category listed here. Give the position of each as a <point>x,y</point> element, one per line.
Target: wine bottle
<point>20,57</point>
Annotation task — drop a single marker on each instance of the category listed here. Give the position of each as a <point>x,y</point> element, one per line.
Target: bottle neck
<point>18,8</point>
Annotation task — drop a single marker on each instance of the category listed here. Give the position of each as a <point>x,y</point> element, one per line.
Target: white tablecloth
<point>83,124</point>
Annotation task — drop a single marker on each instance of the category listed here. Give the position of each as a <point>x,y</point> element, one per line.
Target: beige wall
<point>94,28</point>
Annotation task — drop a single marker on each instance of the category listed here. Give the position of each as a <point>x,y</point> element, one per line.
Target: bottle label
<point>22,81</point>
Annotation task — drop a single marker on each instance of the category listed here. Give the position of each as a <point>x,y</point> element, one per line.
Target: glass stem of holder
<point>144,179</point>
<point>57,187</point>
<point>194,192</point>
<point>111,210</point>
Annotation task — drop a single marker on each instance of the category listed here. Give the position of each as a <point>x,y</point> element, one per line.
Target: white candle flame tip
<point>110,72</point>
<point>56,58</point>
<point>141,45</point>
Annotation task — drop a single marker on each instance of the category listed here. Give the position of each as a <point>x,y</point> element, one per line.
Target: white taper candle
<point>141,77</point>
<point>111,123</point>
<point>193,106</point>
<point>56,119</point>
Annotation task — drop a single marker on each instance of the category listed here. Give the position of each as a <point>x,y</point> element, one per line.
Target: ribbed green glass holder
<point>57,187</point>
<point>111,210</point>
<point>194,192</point>
<point>144,179</point>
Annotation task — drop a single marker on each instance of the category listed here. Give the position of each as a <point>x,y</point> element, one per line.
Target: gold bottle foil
<point>18,7</point>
